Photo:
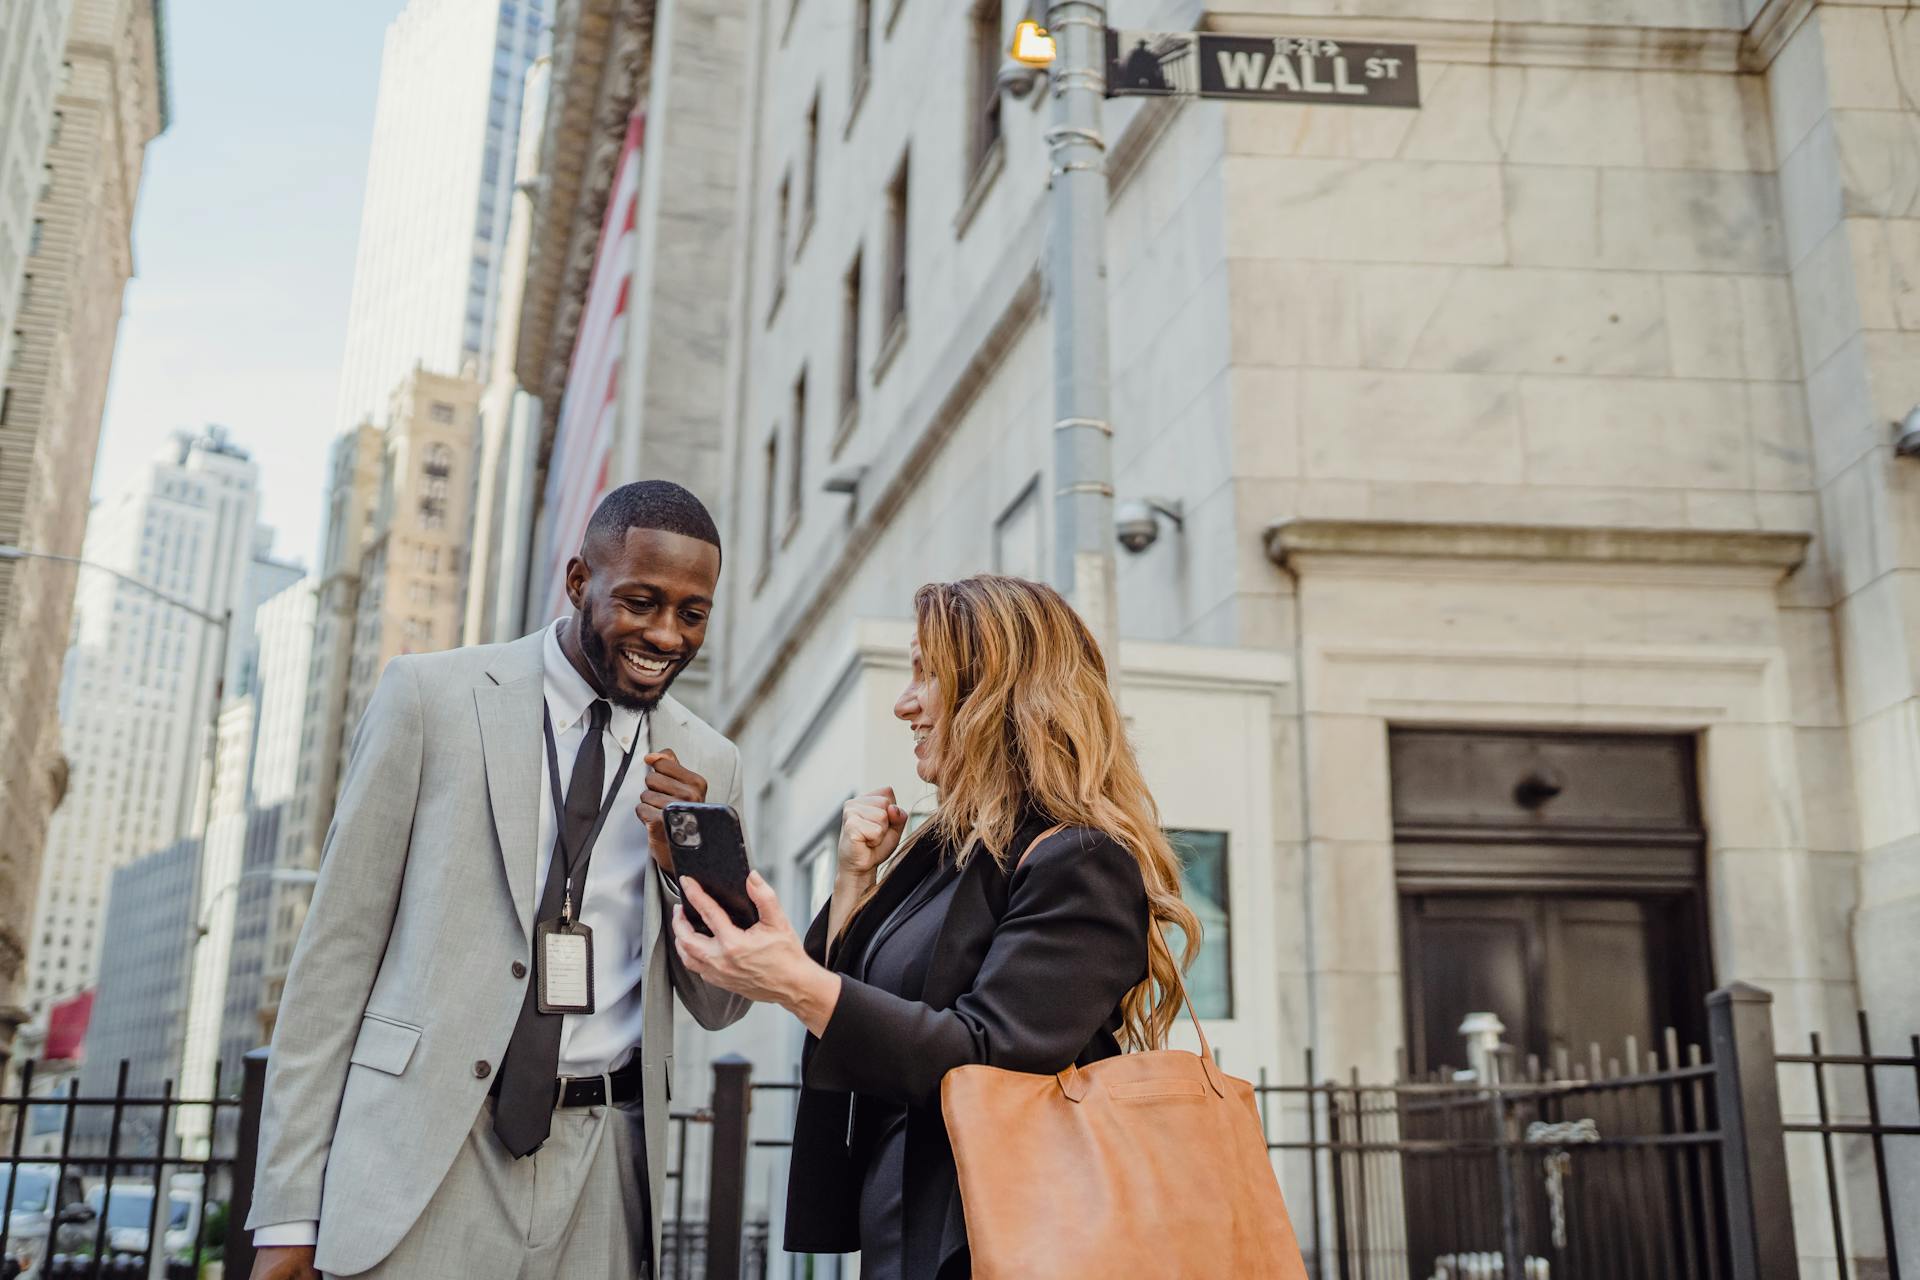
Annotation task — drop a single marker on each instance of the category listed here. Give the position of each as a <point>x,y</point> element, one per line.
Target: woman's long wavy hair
<point>1029,720</point>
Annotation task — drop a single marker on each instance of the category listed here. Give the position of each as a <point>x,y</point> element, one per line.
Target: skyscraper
<point>31,39</point>
<point>82,92</point>
<point>139,682</point>
<point>439,187</point>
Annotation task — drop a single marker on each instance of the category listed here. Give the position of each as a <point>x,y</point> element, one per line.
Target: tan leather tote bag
<point>1148,1164</point>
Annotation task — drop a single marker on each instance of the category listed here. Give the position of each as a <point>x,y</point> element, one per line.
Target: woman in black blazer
<point>1011,929</point>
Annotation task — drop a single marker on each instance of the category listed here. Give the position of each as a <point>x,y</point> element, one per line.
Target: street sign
<point>1209,64</point>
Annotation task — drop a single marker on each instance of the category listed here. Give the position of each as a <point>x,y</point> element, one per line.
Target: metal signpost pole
<point>1082,432</point>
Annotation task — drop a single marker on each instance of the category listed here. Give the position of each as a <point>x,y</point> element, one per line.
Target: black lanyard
<point>584,854</point>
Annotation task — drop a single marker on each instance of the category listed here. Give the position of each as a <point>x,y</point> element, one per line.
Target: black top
<point>895,961</point>
<point>1023,971</point>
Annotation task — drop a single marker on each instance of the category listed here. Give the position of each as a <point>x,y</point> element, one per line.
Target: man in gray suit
<point>469,1074</point>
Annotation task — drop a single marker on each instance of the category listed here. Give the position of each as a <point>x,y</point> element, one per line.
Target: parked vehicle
<point>129,1214</point>
<point>35,1206</point>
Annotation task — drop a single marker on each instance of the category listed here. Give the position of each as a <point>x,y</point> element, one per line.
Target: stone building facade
<point>102,107</point>
<point>1533,594</point>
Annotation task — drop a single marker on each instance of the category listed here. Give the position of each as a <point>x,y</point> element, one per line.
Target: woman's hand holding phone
<point>766,962</point>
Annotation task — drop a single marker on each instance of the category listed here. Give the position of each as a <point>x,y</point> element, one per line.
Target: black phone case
<point>719,862</point>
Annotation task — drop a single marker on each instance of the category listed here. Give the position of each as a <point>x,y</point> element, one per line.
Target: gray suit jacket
<point>401,986</point>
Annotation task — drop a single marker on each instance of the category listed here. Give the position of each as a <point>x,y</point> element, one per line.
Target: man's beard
<point>605,669</point>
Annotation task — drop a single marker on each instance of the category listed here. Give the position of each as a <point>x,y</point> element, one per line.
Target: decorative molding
<point>1770,30</point>
<point>1554,44</point>
<point>1614,686</point>
<point>1290,542</point>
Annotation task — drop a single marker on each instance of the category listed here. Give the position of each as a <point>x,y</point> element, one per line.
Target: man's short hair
<point>652,504</point>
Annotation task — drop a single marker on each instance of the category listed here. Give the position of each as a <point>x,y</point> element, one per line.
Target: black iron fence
<point>99,1186</point>
<point>1666,1162</point>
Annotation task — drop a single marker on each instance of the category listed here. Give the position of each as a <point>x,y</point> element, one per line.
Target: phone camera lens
<point>684,830</point>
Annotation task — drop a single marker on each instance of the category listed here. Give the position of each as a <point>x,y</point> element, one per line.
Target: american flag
<point>579,470</point>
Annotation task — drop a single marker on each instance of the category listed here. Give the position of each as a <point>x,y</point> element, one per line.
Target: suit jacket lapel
<point>900,882</point>
<point>509,709</point>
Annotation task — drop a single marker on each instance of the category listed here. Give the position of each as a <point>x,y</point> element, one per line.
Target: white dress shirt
<point>618,876</point>
<point>613,905</point>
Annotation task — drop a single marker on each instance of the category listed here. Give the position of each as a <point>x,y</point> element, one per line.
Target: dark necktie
<point>523,1108</point>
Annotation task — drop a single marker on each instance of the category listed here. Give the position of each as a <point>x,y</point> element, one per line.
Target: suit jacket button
<point>519,970</point>
<point>481,1070</point>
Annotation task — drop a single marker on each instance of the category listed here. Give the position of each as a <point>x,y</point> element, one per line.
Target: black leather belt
<point>614,1089</point>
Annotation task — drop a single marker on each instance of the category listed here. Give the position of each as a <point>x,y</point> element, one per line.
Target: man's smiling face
<point>641,606</point>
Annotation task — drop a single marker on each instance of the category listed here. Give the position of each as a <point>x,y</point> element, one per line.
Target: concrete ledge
<point>1290,540</point>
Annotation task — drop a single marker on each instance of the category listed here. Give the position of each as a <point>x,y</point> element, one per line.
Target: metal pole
<point>253,1093</point>
<point>1753,1148</point>
<point>212,790</point>
<point>727,1166</point>
<point>1083,563</point>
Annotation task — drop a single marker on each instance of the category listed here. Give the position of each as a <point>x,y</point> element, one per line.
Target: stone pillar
<point>1847,135</point>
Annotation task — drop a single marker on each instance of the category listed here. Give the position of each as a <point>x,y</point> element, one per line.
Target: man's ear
<point>577,575</point>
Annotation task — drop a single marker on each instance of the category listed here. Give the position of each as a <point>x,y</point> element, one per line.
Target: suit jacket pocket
<point>384,1044</point>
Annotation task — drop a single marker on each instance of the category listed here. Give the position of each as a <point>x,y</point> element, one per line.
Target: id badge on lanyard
<point>563,947</point>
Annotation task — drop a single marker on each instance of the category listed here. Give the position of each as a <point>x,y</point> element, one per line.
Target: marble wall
<point>1634,265</point>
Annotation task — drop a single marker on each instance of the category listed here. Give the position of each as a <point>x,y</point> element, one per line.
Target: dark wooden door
<point>1562,971</point>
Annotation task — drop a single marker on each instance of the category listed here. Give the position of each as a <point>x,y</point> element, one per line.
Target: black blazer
<point>1028,974</point>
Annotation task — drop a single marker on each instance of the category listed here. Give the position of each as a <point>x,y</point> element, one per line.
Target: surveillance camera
<point>1136,525</point>
<point>1017,81</point>
<point>1137,521</point>
<point>1906,440</point>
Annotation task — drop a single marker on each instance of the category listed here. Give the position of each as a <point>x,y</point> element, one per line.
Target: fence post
<point>727,1166</point>
<point>238,1252</point>
<point>1753,1146</point>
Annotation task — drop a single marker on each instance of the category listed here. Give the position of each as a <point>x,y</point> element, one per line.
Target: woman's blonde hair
<point>1029,720</point>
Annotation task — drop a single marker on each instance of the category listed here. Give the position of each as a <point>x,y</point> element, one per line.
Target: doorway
<point>1552,879</point>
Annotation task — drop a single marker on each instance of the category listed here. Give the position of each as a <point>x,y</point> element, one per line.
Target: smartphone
<point>709,845</point>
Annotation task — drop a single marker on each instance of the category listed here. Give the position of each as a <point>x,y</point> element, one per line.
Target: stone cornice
<point>1617,47</point>
<point>1291,542</point>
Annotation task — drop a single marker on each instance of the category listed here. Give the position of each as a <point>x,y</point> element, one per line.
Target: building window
<point>59,123</point>
<point>1203,883</point>
<point>797,460</point>
<point>897,193</point>
<point>850,346</point>
<point>862,41</point>
<point>1016,535</point>
<point>19,344</point>
<point>36,235</point>
<point>441,411</point>
<point>986,82</point>
<point>6,404</point>
<point>810,183</point>
<point>769,494</point>
<point>780,205</point>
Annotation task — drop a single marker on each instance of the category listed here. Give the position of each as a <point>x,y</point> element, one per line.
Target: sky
<point>243,244</point>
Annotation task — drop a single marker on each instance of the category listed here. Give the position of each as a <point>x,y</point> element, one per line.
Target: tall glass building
<point>433,223</point>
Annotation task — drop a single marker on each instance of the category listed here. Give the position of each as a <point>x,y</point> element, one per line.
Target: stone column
<point>673,390</point>
<point>1847,133</point>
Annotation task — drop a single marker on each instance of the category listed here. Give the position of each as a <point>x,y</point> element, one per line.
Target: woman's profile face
<point>919,706</point>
